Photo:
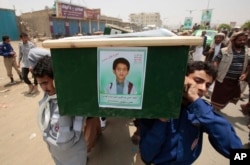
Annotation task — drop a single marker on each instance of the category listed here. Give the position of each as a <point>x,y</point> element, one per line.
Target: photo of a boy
<point>120,85</point>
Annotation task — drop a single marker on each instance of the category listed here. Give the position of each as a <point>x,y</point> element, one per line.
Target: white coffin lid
<point>159,37</point>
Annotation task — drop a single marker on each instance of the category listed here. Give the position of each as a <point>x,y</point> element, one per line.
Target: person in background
<point>195,27</point>
<point>62,134</point>
<point>35,54</point>
<point>231,62</point>
<point>9,56</point>
<point>24,48</point>
<point>226,41</point>
<point>181,28</point>
<point>213,49</point>
<point>234,30</point>
<point>198,52</point>
<point>245,108</point>
<point>103,122</point>
<point>179,141</point>
<point>92,131</point>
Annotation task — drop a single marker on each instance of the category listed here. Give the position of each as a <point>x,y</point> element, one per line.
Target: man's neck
<point>217,44</point>
<point>238,49</point>
<point>120,81</point>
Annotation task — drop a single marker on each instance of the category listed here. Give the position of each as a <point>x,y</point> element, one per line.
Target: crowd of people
<point>170,141</point>
<point>230,54</point>
<point>161,141</point>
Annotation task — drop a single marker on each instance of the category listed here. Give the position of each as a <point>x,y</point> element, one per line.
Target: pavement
<point>21,140</point>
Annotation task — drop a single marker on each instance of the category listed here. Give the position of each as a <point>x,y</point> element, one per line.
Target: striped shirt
<point>236,67</point>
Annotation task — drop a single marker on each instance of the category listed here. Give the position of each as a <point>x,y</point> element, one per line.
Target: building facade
<point>67,20</point>
<point>9,25</point>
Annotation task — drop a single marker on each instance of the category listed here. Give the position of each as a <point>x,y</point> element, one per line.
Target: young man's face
<point>24,39</point>
<point>121,71</point>
<point>201,80</point>
<point>47,85</point>
<point>7,40</point>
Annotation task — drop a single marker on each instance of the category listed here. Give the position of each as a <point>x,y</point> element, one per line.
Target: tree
<point>224,26</point>
<point>246,25</point>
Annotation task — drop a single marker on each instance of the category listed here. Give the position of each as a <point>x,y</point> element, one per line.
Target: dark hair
<point>43,68</point>
<point>23,34</point>
<point>4,38</point>
<point>208,67</point>
<point>121,60</point>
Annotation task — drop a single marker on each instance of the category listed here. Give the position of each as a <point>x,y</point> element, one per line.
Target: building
<point>146,19</point>
<point>62,21</point>
<point>9,25</point>
<point>36,23</point>
<point>67,20</point>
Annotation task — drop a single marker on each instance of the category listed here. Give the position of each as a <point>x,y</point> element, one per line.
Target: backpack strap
<point>130,86</point>
<point>111,84</point>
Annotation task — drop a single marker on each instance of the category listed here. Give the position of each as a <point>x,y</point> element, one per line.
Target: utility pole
<point>208,4</point>
<point>208,11</point>
<point>190,12</point>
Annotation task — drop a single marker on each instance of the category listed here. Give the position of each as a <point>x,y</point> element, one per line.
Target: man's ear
<point>54,83</point>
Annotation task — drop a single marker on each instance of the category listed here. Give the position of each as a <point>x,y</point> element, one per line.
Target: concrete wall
<point>36,23</point>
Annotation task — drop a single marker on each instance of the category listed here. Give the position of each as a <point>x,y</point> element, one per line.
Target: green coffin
<point>77,74</point>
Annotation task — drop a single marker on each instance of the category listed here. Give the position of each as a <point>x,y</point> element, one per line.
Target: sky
<point>172,12</point>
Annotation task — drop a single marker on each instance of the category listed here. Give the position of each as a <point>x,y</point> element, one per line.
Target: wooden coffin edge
<point>123,42</point>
